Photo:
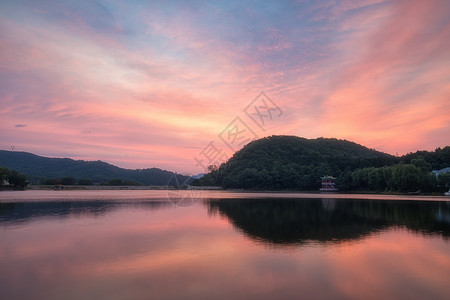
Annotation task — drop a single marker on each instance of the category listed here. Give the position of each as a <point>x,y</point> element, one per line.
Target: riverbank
<point>194,195</point>
<point>101,187</point>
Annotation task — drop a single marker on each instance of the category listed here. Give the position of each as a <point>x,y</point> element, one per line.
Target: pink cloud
<point>373,72</point>
<point>390,93</point>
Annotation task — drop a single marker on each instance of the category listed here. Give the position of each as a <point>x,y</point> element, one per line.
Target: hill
<point>38,168</point>
<point>290,162</point>
<point>438,159</point>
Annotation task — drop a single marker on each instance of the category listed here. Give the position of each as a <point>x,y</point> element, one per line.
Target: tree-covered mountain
<point>290,162</point>
<point>38,168</point>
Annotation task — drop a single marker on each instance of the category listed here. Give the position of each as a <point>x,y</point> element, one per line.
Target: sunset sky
<point>143,84</point>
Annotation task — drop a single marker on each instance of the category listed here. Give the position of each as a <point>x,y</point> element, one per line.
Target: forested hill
<point>38,168</point>
<point>287,162</point>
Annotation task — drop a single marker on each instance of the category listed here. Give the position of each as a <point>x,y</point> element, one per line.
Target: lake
<point>222,245</point>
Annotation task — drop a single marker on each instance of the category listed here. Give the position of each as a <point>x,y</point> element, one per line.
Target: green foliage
<point>421,163</point>
<point>51,181</point>
<point>444,179</point>
<point>118,181</point>
<point>400,177</point>
<point>438,159</point>
<point>68,181</point>
<point>4,173</point>
<point>406,177</point>
<point>84,182</point>
<point>115,181</point>
<point>131,182</point>
<point>17,180</point>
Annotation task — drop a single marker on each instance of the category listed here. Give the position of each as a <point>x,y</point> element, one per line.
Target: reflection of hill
<point>286,221</point>
<point>28,211</point>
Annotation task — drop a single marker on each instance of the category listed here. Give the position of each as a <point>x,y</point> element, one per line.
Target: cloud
<point>135,83</point>
<point>20,125</point>
<point>388,80</point>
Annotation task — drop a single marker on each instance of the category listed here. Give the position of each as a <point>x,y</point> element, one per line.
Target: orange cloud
<point>391,92</point>
<point>373,72</point>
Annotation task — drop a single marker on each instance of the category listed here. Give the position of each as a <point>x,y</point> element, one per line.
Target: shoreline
<point>99,187</point>
<point>209,188</point>
<point>196,195</point>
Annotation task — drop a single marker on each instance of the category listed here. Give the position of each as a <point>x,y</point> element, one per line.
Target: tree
<point>406,177</point>
<point>421,163</point>
<point>50,182</point>
<point>115,181</point>
<point>4,174</point>
<point>84,182</point>
<point>344,182</point>
<point>68,181</point>
<point>429,182</point>
<point>444,179</point>
<point>17,180</point>
<point>131,182</point>
<point>249,178</point>
<point>212,168</point>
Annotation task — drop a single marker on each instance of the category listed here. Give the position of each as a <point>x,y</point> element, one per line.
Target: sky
<point>179,85</point>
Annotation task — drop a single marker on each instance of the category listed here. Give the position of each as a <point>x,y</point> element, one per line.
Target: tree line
<point>402,177</point>
<point>73,181</point>
<point>12,179</point>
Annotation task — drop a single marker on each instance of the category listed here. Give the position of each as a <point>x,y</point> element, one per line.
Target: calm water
<point>145,245</point>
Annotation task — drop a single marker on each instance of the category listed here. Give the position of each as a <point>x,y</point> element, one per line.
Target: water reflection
<point>295,221</point>
<point>133,249</point>
<point>19,212</point>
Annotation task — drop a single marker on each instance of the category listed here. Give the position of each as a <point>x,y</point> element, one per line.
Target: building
<point>441,171</point>
<point>328,184</point>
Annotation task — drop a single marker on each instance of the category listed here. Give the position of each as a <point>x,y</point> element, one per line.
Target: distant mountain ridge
<point>276,162</point>
<point>38,167</point>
